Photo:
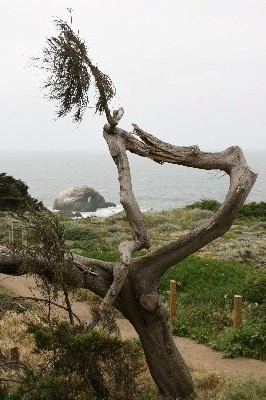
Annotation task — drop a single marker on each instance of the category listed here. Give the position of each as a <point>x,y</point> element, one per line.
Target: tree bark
<point>149,317</point>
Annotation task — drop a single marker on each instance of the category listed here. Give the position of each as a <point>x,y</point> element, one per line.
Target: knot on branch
<point>195,150</point>
<point>149,301</point>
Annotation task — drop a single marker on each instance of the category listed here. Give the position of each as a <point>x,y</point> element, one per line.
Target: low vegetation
<point>14,194</point>
<point>205,301</point>
<point>249,210</point>
<point>112,369</point>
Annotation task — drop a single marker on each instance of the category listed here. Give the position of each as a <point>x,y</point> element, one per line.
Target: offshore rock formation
<point>84,199</point>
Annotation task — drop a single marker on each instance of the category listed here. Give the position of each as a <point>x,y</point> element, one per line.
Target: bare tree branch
<point>10,380</point>
<point>140,240</point>
<point>14,363</point>
<point>242,178</point>
<point>37,299</point>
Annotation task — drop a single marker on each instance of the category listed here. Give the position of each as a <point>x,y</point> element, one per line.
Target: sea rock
<point>83,199</point>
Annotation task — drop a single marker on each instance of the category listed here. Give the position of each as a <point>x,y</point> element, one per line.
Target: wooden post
<point>237,312</point>
<point>24,237</point>
<point>172,303</point>
<point>11,232</point>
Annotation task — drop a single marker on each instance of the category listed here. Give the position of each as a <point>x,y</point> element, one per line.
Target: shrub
<point>87,365</point>
<point>120,216</point>
<point>205,204</point>
<point>114,228</point>
<point>168,227</point>
<point>248,340</point>
<point>79,232</point>
<point>253,210</point>
<point>206,280</point>
<point>14,194</point>
<point>255,289</point>
<point>83,245</point>
<point>101,255</point>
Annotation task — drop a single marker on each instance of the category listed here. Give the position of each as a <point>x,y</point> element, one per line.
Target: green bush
<point>79,232</point>
<point>84,245</point>
<point>249,210</point>
<point>101,255</point>
<point>205,204</point>
<point>255,288</point>
<point>253,210</point>
<point>14,194</point>
<point>114,228</point>
<point>168,227</point>
<point>248,340</point>
<point>120,216</point>
<point>206,280</point>
<point>88,365</point>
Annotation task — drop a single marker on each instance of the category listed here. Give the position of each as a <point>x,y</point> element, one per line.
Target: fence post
<point>11,232</point>
<point>24,237</point>
<point>237,312</point>
<point>172,303</point>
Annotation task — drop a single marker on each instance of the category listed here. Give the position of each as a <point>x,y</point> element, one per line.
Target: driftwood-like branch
<point>140,238</point>
<point>231,161</point>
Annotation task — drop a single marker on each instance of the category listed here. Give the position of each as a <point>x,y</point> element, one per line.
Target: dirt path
<point>193,353</point>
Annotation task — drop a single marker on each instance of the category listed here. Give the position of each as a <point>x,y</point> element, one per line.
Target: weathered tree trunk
<point>166,365</point>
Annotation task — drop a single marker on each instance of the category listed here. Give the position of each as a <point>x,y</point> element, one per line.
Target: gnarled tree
<point>130,283</point>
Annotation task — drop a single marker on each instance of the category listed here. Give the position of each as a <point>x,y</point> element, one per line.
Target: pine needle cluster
<point>70,73</point>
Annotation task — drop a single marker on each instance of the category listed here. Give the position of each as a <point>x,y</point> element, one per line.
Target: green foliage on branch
<point>70,72</point>
<point>46,241</point>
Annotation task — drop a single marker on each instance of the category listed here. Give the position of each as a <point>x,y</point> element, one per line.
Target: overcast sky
<point>188,71</point>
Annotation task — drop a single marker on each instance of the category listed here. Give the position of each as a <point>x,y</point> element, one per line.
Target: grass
<point>13,333</point>
<point>205,302</point>
<point>213,386</point>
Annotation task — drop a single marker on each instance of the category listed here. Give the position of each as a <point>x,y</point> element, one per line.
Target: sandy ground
<point>193,353</point>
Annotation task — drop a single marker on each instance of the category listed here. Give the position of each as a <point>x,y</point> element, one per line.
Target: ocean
<point>156,186</point>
